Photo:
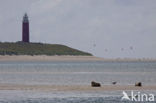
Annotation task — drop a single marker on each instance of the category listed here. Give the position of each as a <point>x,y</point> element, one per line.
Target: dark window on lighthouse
<point>25,29</point>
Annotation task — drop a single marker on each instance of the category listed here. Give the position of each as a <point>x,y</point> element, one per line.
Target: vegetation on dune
<point>21,48</point>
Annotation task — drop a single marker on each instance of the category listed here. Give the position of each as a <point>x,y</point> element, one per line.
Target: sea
<point>73,73</point>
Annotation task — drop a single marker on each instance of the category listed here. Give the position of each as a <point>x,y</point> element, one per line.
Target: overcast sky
<point>105,28</point>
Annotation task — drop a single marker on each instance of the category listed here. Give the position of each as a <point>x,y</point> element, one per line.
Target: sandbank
<point>69,58</point>
<point>74,87</point>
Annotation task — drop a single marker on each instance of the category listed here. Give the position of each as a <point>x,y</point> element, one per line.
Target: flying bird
<point>94,45</point>
<point>131,48</point>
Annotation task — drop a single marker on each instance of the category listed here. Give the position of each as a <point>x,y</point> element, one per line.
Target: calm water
<point>72,73</point>
<point>77,73</point>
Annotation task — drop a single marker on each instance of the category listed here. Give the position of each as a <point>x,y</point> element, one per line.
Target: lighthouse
<point>25,29</point>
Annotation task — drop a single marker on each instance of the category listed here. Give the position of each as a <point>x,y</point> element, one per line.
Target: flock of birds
<point>122,49</point>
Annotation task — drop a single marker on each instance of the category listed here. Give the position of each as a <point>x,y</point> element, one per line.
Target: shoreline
<point>74,87</point>
<point>18,58</point>
<point>48,58</point>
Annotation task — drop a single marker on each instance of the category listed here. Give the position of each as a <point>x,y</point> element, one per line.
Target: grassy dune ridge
<point>21,48</point>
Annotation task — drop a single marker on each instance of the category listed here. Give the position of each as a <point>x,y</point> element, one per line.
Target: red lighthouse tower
<point>25,29</point>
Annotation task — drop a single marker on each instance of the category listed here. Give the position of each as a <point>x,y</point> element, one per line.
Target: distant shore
<point>73,87</point>
<point>49,58</point>
<point>67,58</point>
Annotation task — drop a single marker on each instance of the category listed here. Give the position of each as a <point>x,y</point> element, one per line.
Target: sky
<point>105,28</point>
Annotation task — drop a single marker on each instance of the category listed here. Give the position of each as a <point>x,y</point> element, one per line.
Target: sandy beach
<point>49,58</point>
<point>74,87</point>
<point>69,58</point>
